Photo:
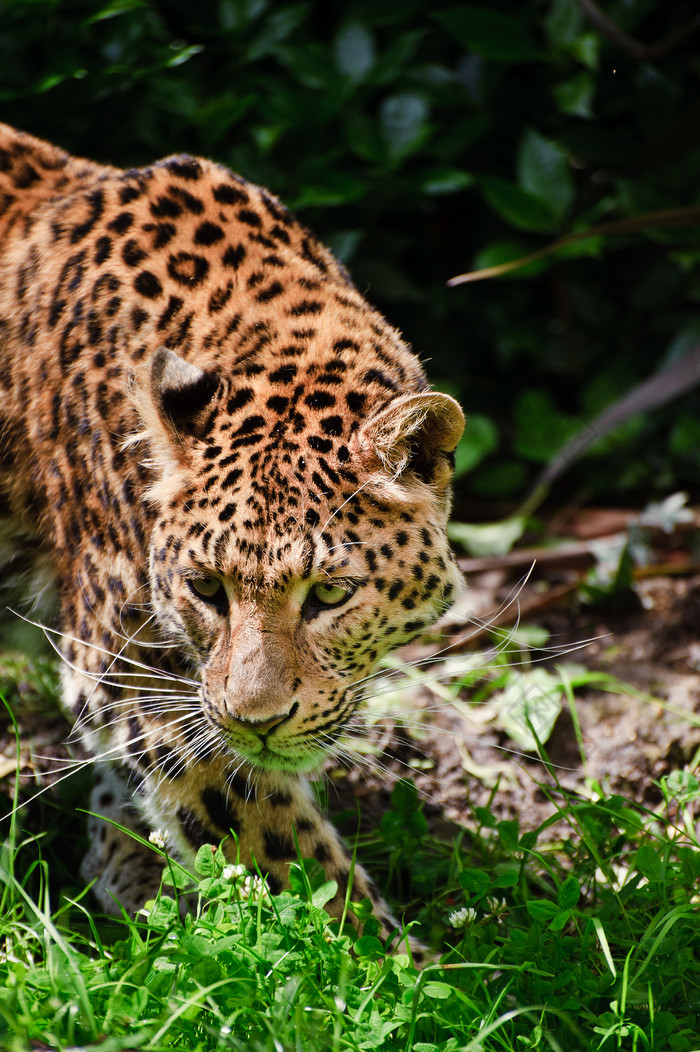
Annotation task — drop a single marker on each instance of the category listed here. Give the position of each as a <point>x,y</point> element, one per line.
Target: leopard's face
<point>285,604</point>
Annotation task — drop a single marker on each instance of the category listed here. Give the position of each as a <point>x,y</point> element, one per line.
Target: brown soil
<point>629,740</point>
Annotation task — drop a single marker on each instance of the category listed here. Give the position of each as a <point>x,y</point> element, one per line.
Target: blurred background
<point>421,140</point>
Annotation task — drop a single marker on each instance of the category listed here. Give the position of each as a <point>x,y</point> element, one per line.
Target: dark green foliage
<point>421,140</point>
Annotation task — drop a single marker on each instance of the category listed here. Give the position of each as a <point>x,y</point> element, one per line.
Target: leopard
<point>236,478</point>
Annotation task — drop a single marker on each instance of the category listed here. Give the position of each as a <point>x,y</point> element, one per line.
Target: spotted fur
<point>239,476</point>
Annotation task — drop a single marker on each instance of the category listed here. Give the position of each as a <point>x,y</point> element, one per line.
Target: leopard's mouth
<point>270,751</point>
<point>275,746</point>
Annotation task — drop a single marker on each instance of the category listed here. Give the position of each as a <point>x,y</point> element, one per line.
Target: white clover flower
<point>461,918</point>
<point>158,837</point>
<point>495,905</point>
<point>233,872</point>
<point>252,886</point>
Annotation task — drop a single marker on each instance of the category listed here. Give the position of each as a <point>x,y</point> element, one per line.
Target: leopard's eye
<point>330,594</point>
<point>210,589</point>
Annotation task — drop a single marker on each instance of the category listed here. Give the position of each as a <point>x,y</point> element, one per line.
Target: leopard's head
<point>285,560</point>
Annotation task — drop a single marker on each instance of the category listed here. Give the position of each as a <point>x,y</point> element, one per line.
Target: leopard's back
<point>101,267</point>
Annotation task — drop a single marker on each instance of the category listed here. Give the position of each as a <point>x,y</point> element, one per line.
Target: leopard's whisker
<point>50,632</point>
<point>146,606</point>
<point>152,670</point>
<point>115,677</point>
<point>117,720</point>
<point>486,657</point>
<point>231,773</point>
<point>414,675</point>
<point>346,501</point>
<point>71,766</point>
<point>130,639</point>
<point>74,766</point>
<point>458,734</point>
<point>112,751</point>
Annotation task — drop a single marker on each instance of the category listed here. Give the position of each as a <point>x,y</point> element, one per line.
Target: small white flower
<point>158,837</point>
<point>252,886</point>
<point>461,918</point>
<point>233,872</point>
<point>495,905</point>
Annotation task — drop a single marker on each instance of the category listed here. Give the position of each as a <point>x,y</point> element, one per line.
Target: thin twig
<point>609,29</point>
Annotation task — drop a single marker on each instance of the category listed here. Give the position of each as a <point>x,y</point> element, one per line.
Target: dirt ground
<point>457,752</point>
<point>630,740</point>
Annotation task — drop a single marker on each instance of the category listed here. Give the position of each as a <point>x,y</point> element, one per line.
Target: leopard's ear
<point>414,434</point>
<point>172,398</point>
<point>180,391</point>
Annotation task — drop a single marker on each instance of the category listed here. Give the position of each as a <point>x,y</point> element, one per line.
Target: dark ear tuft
<point>180,390</point>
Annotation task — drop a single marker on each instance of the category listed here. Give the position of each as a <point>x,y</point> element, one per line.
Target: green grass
<point>582,934</point>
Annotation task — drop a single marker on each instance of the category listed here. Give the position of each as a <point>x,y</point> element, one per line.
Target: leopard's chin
<point>271,760</point>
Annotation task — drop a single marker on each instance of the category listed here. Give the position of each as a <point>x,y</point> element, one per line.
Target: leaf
<point>403,122</point>
<point>485,817</point>
<point>404,796</point>
<point>509,878</point>
<point>183,54</point>
<point>529,706</point>
<point>447,181</point>
<point>363,910</point>
<point>541,429</point>
<point>563,22</point>
<point>277,25</point>
<point>354,51</point>
<point>667,514</point>
<point>490,34</point>
<point>544,172</point>
<point>508,832</point>
<point>517,206</point>
<point>440,991</point>
<point>324,893</point>
<point>493,538</point>
<point>559,922</point>
<point>475,881</point>
<point>502,480</point>
<point>117,7</point>
<point>682,784</point>
<point>334,188</point>
<point>175,876</point>
<point>586,48</point>
<point>163,913</point>
<point>685,436</point>
<point>541,910</point>
<point>648,863</point>
<point>306,874</point>
<point>569,893</point>
<point>480,438</point>
<point>575,96</point>
<point>369,946</point>
<point>206,971</point>
<point>206,862</point>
